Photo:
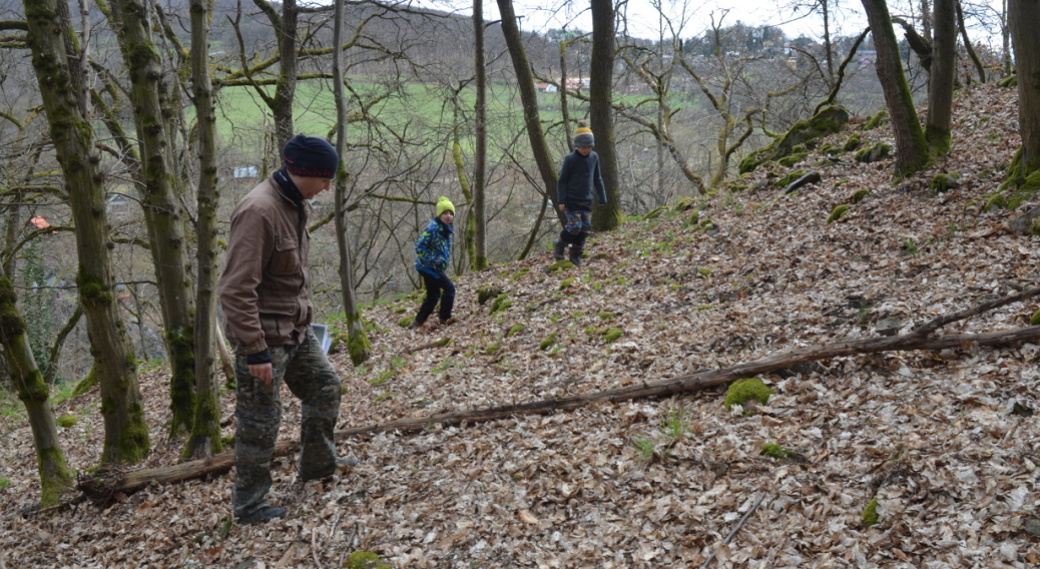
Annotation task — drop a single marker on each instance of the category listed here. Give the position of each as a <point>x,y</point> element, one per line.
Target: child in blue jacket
<point>433,255</point>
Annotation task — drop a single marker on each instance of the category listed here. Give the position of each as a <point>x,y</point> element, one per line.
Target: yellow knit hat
<point>443,205</point>
<point>583,136</point>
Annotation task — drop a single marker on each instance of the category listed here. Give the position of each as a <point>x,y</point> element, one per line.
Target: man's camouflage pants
<point>310,377</point>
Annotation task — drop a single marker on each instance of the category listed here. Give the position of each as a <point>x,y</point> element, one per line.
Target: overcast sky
<point>693,17</point>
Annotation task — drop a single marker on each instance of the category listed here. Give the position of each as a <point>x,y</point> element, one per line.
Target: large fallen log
<point>102,486</point>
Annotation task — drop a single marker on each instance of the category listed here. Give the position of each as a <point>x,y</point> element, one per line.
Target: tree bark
<point>529,99</point>
<point>358,345</point>
<point>163,212</point>
<point>479,258</point>
<point>104,485</point>
<point>911,146</point>
<point>942,77</point>
<point>62,89</point>
<point>601,113</point>
<point>205,427</point>
<point>55,477</point>
<point>1022,18</point>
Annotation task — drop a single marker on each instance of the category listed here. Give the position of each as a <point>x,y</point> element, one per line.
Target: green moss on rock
<point>548,342</point>
<point>744,390</point>
<point>516,329</point>
<point>828,121</point>
<point>610,335</point>
<point>838,213</point>
<point>880,118</point>
<point>776,451</point>
<point>67,421</point>
<point>859,195</point>
<point>566,283</point>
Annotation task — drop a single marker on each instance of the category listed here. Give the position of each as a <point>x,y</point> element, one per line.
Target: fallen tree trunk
<point>103,485</point>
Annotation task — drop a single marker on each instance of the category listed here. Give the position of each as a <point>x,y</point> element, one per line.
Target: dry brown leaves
<point>656,483</point>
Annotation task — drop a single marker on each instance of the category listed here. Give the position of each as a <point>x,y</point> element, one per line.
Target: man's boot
<point>558,249</point>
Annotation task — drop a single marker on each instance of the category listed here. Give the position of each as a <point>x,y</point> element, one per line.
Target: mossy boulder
<point>879,119</point>
<point>828,121</point>
<point>610,335</point>
<point>1009,82</point>
<point>501,303</point>
<point>745,390</point>
<point>1021,184</point>
<point>486,293</point>
<point>1034,320</point>
<point>776,451</point>
<point>853,143</point>
<point>404,322</point>
<point>859,195</point>
<point>67,421</point>
<point>516,329</point>
<point>1027,223</point>
<point>365,560</point>
<point>838,213</point>
<point>874,153</point>
<point>548,342</point>
<point>944,182</point>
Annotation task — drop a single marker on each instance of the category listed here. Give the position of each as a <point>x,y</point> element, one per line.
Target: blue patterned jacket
<point>433,250</point>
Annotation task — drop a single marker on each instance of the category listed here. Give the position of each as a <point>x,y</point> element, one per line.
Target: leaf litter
<point>944,441</point>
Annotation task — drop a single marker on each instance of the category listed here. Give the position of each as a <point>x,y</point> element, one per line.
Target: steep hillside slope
<point>944,441</point>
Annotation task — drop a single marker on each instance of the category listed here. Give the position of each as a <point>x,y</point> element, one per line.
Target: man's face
<point>584,150</point>
<point>310,187</point>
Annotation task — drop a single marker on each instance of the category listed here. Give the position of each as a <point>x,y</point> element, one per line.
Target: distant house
<point>545,87</point>
<point>246,172</point>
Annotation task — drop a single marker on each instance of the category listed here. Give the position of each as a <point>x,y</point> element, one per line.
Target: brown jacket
<point>263,289</point>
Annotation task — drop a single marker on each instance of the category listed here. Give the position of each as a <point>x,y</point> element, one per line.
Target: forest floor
<point>944,441</point>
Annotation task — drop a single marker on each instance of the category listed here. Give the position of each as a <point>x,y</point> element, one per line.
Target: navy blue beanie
<point>310,157</point>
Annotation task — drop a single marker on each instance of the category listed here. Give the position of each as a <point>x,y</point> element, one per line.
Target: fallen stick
<point>102,485</point>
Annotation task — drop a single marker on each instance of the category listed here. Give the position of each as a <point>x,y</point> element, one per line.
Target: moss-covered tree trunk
<point>912,153</point>
<point>601,113</point>
<point>284,27</point>
<point>63,93</point>
<point>205,428</point>
<point>163,213</point>
<point>1023,16</point>
<point>358,345</point>
<point>941,79</point>
<point>32,390</point>
<point>529,101</point>
<point>478,257</point>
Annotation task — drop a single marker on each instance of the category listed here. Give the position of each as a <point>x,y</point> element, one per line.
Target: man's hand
<point>263,372</point>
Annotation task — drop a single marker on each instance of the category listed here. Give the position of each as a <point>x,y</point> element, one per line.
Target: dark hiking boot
<point>575,256</point>
<point>448,321</point>
<point>559,248</point>
<point>262,515</point>
<point>415,325</point>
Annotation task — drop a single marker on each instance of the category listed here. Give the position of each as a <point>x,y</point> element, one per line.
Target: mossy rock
<point>548,342</point>
<point>1027,223</point>
<point>610,335</point>
<point>1034,320</point>
<point>655,213</point>
<point>492,349</point>
<point>859,195</point>
<point>516,329</point>
<point>566,283</point>
<point>788,161</point>
<point>684,204</point>
<point>838,213</point>
<point>743,390</point>
<point>1008,82</point>
<point>501,303</point>
<point>879,119</point>
<point>365,560</point>
<point>851,144</point>
<point>869,516</point>
<point>694,219</point>
<point>790,177</point>
<point>828,121</point>
<point>404,322</point>
<point>879,151</point>
<point>1019,185</point>
<point>521,273</point>
<point>944,182</point>
<point>486,293</point>
<point>559,266</point>
<point>67,421</point>
<point>995,201</point>
<point>607,315</point>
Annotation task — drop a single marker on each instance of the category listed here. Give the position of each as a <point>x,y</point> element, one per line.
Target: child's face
<point>583,150</point>
<point>447,217</point>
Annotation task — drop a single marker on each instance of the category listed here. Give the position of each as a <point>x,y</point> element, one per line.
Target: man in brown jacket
<point>267,309</point>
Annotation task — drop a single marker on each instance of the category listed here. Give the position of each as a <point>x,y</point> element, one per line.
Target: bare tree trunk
<point>911,146</point>
<point>205,429</point>
<point>163,212</point>
<point>55,476</point>
<point>529,100</point>
<point>359,347</point>
<point>1022,17</point>
<point>941,78</point>
<point>479,258</point>
<point>62,88</point>
<point>979,68</point>
<point>601,113</point>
